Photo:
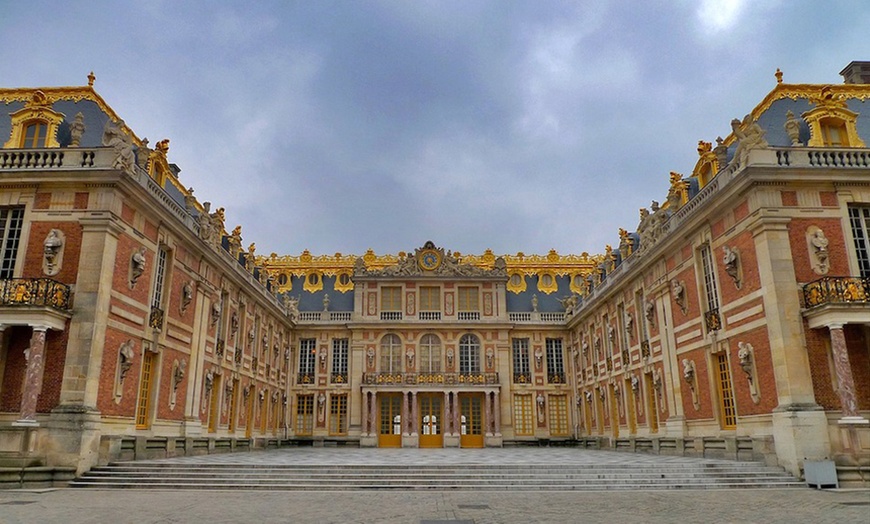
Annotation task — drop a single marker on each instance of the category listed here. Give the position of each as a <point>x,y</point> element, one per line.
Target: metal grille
<point>339,360</point>
<point>469,354</point>
<point>523,415</point>
<point>522,373</point>
<point>726,394</point>
<point>11,220</point>
<point>555,365</point>
<point>859,218</point>
<point>430,354</point>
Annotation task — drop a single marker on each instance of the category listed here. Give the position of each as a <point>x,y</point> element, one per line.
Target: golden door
<point>390,423</point>
<point>471,420</point>
<point>431,420</point>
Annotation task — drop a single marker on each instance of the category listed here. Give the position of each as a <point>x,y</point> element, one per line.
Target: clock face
<point>430,260</point>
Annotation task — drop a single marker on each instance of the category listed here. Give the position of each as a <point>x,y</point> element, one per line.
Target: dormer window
<point>834,132</point>
<point>35,134</point>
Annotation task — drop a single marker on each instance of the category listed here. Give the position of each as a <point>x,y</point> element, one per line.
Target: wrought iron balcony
<point>436,379</point>
<point>837,290</point>
<point>305,378</point>
<point>339,378</point>
<point>155,319</point>
<point>556,378</point>
<point>522,378</point>
<point>219,348</point>
<point>713,320</point>
<point>644,349</point>
<point>34,292</point>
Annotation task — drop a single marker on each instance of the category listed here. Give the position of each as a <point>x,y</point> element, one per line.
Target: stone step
<point>425,475</point>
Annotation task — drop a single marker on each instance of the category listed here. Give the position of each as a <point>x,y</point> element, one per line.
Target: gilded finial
<point>778,76</point>
<point>704,147</point>
<point>91,79</point>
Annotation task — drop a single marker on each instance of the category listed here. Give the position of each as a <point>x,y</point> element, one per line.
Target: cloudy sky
<point>515,126</point>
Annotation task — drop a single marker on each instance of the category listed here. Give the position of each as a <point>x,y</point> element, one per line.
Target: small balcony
<point>713,320</point>
<point>430,379</point>
<point>35,301</point>
<point>837,290</point>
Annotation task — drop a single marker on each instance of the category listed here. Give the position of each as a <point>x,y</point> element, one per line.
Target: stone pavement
<point>767,506</point>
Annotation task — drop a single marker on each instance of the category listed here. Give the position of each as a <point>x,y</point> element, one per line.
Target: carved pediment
<point>431,260</point>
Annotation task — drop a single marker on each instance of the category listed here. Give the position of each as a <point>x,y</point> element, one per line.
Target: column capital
<point>835,325</point>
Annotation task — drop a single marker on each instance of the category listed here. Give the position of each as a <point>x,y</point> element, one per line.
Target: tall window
<point>834,132</point>
<point>555,364</point>
<point>469,354</point>
<point>520,350</point>
<point>11,219</point>
<point>859,218</point>
<point>391,354</point>
<point>339,360</point>
<point>35,134</point>
<point>160,278</point>
<point>304,415</point>
<point>430,298</point>
<point>640,315</point>
<point>430,354</point>
<point>468,299</point>
<point>558,407</point>
<point>726,393</point>
<point>391,299</point>
<point>338,414</point>
<point>711,293</point>
<point>307,357</point>
<point>523,416</point>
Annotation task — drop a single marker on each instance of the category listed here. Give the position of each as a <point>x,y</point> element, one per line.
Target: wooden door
<point>471,420</point>
<point>431,420</point>
<point>390,422</point>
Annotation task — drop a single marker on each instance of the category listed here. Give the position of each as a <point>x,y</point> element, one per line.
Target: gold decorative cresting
<point>91,78</point>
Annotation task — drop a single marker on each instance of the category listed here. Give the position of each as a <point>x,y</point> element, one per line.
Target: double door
<point>471,420</point>
<point>431,420</point>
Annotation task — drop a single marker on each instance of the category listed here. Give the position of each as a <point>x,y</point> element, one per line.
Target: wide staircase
<point>494,477</point>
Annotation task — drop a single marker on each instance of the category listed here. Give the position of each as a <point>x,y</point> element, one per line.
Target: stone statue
<point>52,246</point>
<point>689,372</point>
<point>535,303</point>
<point>115,137</point>
<point>744,354</point>
<point>325,302</point>
<point>125,358</point>
<point>76,130</point>
<point>792,128</point>
<point>217,220</point>
<point>143,155</point>
<point>137,266</point>
<point>819,242</point>
<point>731,262</point>
<point>186,295</point>
<point>205,222</point>
<point>178,376</point>
<point>721,152</point>
<point>749,135</point>
<point>678,290</point>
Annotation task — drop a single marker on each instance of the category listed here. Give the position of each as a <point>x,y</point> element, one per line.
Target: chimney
<point>856,73</point>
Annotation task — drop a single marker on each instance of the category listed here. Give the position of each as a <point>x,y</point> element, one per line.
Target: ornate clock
<point>429,259</point>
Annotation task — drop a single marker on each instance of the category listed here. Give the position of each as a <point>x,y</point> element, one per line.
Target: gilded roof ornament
<point>778,76</point>
<point>704,147</point>
<point>91,78</point>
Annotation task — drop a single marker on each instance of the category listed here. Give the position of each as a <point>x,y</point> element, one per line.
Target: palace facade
<point>731,321</point>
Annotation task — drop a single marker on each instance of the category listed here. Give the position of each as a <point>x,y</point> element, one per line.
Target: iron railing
<point>837,290</point>
<point>398,378</point>
<point>713,320</point>
<point>34,292</point>
<point>155,318</point>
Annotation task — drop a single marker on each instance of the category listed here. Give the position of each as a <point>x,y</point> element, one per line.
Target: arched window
<point>391,354</point>
<point>469,354</point>
<point>35,135</point>
<point>430,354</point>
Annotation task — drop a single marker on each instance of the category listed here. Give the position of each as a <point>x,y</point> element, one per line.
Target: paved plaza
<point>768,506</point>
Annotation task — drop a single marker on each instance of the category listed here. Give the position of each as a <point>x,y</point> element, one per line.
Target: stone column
<point>487,414</point>
<point>415,428</point>
<point>457,414</point>
<point>844,377</point>
<point>446,425</point>
<point>35,356</point>
<point>373,414</point>
<point>496,399</point>
<point>406,413</point>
